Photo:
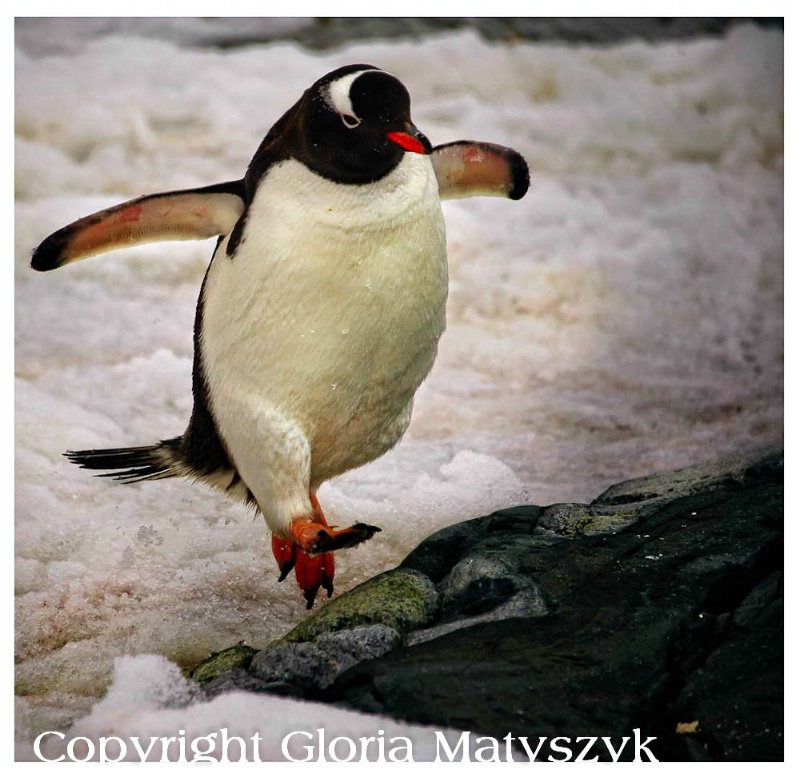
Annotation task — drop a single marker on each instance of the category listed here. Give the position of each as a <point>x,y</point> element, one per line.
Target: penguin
<point>320,312</point>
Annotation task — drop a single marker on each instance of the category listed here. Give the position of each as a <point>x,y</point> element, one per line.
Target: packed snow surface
<point>625,317</point>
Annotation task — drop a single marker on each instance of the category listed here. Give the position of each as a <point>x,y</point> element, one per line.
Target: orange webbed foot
<point>309,550</point>
<point>313,572</point>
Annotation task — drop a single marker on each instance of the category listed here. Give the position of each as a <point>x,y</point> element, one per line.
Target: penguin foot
<point>313,554</point>
<point>311,571</point>
<point>309,550</point>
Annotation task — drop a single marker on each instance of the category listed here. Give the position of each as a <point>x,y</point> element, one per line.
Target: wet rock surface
<point>658,608</point>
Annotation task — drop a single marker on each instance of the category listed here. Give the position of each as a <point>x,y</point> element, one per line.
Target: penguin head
<point>356,125</point>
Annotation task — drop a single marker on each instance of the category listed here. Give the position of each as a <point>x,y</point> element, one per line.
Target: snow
<point>625,317</point>
<point>147,701</point>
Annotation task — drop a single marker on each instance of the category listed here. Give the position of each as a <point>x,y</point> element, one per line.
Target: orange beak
<point>411,140</point>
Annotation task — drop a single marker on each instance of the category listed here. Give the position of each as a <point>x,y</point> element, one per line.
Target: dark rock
<point>490,579</point>
<point>240,680</point>
<point>313,665</point>
<point>655,490</point>
<point>655,611</point>
<point>436,555</point>
<point>638,619</point>
<point>732,703</point>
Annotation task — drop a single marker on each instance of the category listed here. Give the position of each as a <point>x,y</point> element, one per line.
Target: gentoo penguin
<point>321,310</point>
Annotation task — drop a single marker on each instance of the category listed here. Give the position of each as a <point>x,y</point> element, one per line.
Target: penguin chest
<point>328,313</point>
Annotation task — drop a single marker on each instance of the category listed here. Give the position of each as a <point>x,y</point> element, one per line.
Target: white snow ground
<point>625,317</point>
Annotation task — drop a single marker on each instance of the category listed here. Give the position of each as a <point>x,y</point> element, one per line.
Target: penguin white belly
<point>319,329</point>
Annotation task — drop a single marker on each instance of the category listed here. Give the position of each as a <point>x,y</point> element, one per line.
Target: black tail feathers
<point>138,463</point>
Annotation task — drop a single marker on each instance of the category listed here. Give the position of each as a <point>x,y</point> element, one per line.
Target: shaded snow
<point>626,316</point>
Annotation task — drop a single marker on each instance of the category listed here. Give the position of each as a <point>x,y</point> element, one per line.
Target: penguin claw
<point>327,580</point>
<point>310,595</point>
<point>285,569</point>
<point>285,553</point>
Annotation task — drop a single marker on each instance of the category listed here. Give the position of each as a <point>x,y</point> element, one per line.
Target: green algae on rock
<point>235,658</point>
<point>402,599</point>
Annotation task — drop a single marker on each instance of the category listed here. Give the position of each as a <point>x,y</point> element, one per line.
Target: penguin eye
<point>350,121</point>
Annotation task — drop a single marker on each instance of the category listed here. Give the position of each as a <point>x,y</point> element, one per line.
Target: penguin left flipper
<point>469,168</point>
<point>188,214</point>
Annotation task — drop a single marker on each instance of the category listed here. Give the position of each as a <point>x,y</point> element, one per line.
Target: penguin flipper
<point>188,214</point>
<point>468,168</point>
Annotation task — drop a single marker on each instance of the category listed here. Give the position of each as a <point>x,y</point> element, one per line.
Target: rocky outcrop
<point>657,607</point>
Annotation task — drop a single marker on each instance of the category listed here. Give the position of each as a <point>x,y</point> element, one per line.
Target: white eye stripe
<point>337,96</point>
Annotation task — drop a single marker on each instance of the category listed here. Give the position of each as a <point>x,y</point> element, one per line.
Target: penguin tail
<point>137,463</point>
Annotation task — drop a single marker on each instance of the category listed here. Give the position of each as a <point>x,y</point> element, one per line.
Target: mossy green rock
<point>234,658</point>
<point>573,520</point>
<point>402,599</point>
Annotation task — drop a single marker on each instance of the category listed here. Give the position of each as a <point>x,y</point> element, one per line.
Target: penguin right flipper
<point>188,214</point>
<point>471,168</point>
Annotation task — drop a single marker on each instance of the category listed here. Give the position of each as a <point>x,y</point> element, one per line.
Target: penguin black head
<point>353,126</point>
<point>357,124</point>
